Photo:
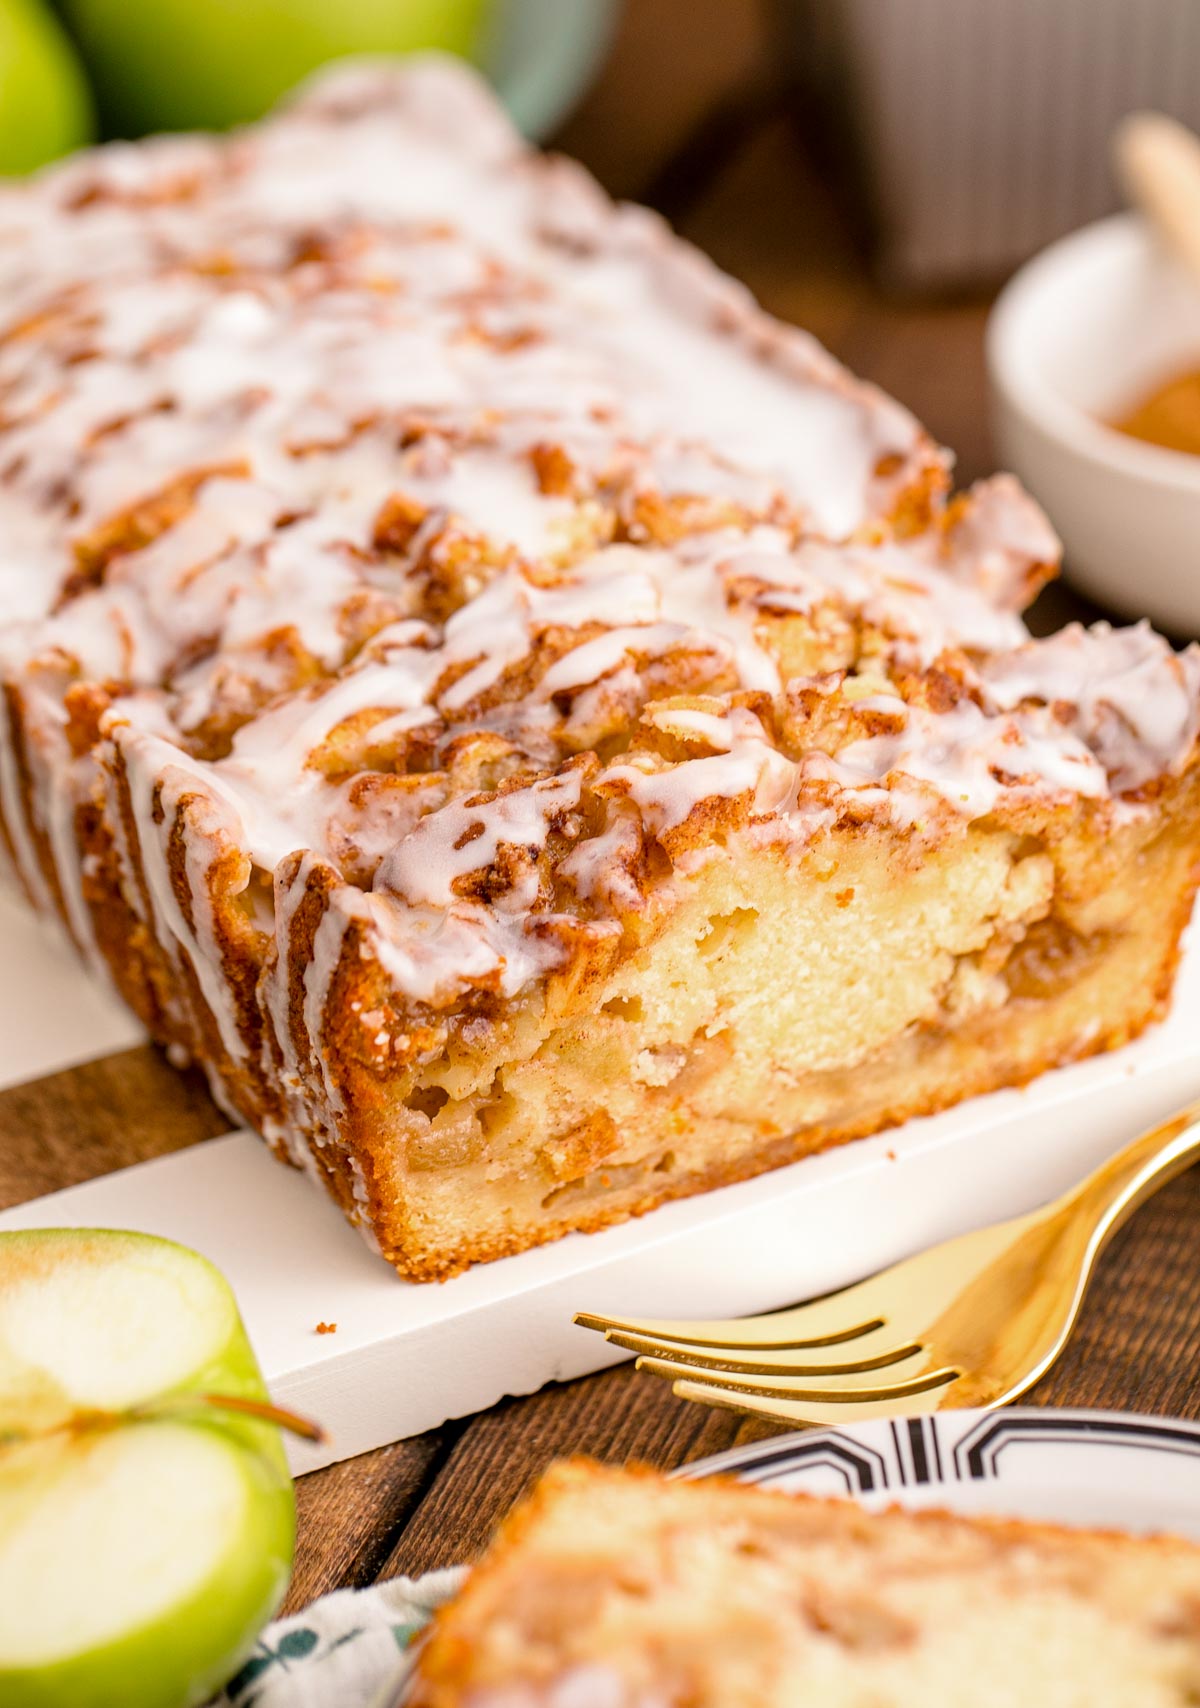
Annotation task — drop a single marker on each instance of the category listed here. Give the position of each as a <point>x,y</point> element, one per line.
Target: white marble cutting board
<point>404,1358</point>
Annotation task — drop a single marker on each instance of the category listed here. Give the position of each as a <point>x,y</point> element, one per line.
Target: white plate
<point>1087,1469</point>
<point>1077,338</point>
<point>1112,1470</point>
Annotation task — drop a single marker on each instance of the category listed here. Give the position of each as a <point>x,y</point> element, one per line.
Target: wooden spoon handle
<point>1158,163</point>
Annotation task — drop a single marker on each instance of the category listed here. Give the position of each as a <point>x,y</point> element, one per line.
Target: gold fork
<point>971,1322</point>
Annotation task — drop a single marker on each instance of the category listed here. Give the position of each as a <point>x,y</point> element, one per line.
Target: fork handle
<point>1117,1188</point>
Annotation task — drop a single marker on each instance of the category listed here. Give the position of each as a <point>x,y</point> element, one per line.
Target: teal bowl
<point>542,54</point>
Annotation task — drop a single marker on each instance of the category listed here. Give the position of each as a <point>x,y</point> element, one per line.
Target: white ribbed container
<point>982,126</point>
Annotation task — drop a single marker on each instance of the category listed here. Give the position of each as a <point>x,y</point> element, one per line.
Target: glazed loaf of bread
<point>536,729</point>
<point>621,1589</point>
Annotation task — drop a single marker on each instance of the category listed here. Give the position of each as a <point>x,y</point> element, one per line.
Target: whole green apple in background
<point>203,64</point>
<point>146,1512</point>
<point>45,109</point>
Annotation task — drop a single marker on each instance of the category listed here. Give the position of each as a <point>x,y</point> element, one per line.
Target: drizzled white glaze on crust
<point>378,494</point>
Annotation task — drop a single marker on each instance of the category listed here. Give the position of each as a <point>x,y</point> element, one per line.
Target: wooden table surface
<point>684,116</point>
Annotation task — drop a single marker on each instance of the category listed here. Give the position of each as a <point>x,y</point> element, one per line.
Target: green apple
<point>203,64</point>
<point>45,109</point>
<point>146,1512</point>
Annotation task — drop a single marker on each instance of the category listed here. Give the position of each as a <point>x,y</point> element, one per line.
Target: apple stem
<point>263,1410</point>
<point>292,1421</point>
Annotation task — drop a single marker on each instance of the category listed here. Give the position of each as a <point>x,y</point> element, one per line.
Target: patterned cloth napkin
<point>345,1651</point>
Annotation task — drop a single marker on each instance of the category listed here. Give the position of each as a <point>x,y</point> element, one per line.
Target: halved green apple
<point>45,107</point>
<point>146,1512</point>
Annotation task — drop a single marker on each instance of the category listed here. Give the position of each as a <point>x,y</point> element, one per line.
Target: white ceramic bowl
<point>1081,333</point>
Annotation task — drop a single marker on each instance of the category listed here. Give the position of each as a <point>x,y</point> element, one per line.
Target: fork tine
<point>913,1376</point>
<point>804,1413</point>
<point>825,1322</point>
<point>871,1352</point>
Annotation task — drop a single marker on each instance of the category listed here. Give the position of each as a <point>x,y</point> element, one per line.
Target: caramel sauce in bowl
<point>1168,416</point>
<point>1081,341</point>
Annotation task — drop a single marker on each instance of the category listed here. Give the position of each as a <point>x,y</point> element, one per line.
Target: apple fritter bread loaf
<point>620,1589</point>
<point>535,728</point>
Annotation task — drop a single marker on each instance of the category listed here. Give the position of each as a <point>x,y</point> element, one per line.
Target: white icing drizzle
<point>745,763</point>
<point>24,853</point>
<point>421,876</point>
<point>966,757</point>
<point>150,770</point>
<point>326,952</point>
<point>1124,692</point>
<point>466,836</point>
<point>894,588</point>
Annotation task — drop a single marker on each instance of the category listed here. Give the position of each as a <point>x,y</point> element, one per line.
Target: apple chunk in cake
<point>533,727</point>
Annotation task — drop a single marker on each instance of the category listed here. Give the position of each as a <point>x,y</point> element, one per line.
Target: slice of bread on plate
<point>623,1589</point>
